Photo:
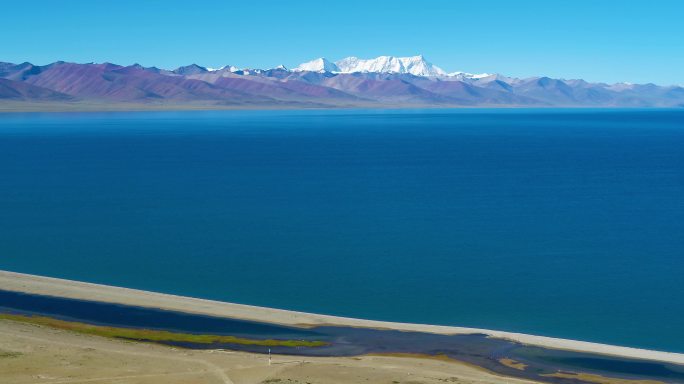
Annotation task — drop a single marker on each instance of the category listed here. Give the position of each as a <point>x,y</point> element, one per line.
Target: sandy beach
<point>30,354</point>
<point>19,282</point>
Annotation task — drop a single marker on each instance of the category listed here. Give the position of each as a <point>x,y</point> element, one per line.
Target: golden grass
<point>154,335</point>
<point>441,356</point>
<point>513,364</point>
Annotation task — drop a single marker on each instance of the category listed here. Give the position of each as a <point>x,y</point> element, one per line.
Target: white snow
<point>229,68</point>
<point>318,65</point>
<point>480,75</point>
<point>466,75</point>
<point>414,65</point>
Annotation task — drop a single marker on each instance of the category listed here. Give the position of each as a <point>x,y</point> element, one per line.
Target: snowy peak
<point>229,68</point>
<point>318,65</point>
<point>471,76</point>
<point>418,66</point>
<point>414,65</point>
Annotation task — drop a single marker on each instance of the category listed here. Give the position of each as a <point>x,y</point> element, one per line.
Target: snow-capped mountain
<point>230,68</point>
<point>471,76</point>
<point>318,65</point>
<point>351,82</point>
<point>413,65</point>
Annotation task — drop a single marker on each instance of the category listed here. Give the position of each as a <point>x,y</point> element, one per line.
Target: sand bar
<point>19,282</point>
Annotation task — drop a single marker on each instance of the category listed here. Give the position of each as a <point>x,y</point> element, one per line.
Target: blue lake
<point>566,223</point>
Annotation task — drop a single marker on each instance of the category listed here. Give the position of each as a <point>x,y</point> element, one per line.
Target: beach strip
<point>40,285</point>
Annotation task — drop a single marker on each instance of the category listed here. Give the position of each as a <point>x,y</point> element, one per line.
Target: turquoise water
<point>559,223</point>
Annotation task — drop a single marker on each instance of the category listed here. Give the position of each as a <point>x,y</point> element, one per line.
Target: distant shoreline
<point>11,107</point>
<point>57,107</point>
<point>20,282</point>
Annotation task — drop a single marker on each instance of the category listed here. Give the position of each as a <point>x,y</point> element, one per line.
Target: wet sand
<point>17,282</point>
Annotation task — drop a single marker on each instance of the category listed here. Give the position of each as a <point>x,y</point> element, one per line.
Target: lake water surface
<point>566,223</point>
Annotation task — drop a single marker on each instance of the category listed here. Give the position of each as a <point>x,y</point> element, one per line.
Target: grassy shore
<point>154,335</point>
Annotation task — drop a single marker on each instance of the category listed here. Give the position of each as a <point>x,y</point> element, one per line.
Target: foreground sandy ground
<point>12,281</point>
<point>34,354</point>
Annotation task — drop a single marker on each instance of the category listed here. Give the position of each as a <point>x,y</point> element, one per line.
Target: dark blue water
<point>559,223</point>
<point>115,315</point>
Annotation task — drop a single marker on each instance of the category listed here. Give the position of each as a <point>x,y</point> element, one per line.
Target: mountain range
<point>385,81</point>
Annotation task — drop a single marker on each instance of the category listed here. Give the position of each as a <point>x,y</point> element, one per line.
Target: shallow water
<point>343,341</point>
<point>558,223</point>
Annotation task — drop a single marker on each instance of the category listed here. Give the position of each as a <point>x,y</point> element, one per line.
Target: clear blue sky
<point>599,40</point>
